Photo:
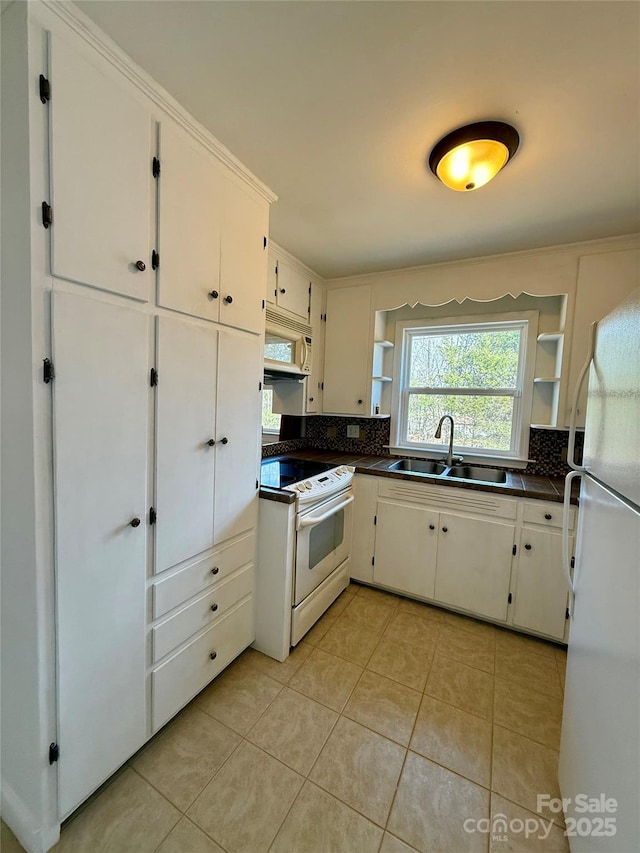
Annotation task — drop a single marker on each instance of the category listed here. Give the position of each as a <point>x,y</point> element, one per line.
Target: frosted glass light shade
<point>469,157</point>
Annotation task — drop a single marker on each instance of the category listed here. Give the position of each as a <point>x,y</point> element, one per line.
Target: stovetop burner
<point>283,471</point>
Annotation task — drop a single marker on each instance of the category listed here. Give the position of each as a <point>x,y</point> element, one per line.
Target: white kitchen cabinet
<point>237,434</point>
<point>185,425</point>
<point>243,257</point>
<point>100,409</point>
<point>315,380</point>
<point>100,155</point>
<point>365,494</point>
<point>540,596</point>
<point>288,286</point>
<point>347,359</point>
<point>189,221</point>
<point>474,564</point>
<point>406,548</point>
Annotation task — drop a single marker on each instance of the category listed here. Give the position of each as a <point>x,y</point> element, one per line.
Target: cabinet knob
<point>213,294</point>
<point>140,265</point>
<point>282,290</point>
<point>527,547</point>
<point>444,529</point>
<point>224,440</point>
<point>548,516</point>
<point>359,402</point>
<point>135,522</point>
<point>214,607</point>
<point>228,299</point>
<point>215,570</point>
<point>211,442</point>
<point>213,655</point>
<point>432,527</point>
<point>311,399</point>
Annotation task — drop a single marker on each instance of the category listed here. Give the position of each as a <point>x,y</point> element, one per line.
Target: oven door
<point>323,542</point>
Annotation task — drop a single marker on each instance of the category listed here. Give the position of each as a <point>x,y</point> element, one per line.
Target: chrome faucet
<point>438,434</point>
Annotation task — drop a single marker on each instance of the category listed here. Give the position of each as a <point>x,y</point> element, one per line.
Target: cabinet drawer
<point>180,587</point>
<point>196,616</point>
<point>178,680</point>
<point>547,513</point>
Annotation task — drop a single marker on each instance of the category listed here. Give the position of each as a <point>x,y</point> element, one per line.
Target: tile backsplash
<point>548,448</point>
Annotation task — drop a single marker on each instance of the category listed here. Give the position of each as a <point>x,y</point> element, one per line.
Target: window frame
<point>268,431</point>
<point>405,330</point>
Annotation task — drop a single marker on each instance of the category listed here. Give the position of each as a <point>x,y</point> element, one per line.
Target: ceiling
<point>336,105</point>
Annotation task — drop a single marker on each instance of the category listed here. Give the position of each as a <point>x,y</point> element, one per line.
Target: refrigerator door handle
<point>576,396</point>
<point>566,555</point>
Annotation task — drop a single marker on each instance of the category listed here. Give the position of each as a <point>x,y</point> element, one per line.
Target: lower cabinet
<point>498,558</point>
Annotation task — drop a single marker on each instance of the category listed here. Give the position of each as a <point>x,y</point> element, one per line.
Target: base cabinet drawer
<point>209,608</point>
<point>548,514</point>
<point>195,578</point>
<point>178,680</point>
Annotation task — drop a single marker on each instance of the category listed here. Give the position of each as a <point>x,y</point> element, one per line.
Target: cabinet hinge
<point>276,269</point>
<point>155,167</point>
<point>153,516</point>
<point>375,519</point>
<point>153,377</point>
<point>323,317</point>
<point>322,386</point>
<point>567,615</point>
<point>309,287</point>
<point>263,304</point>
<point>48,373</point>
<point>264,242</point>
<point>45,89</point>
<point>54,753</point>
<point>373,561</point>
<point>155,260</point>
<point>47,214</point>
<point>573,562</point>
<point>510,599</point>
<point>257,485</point>
<point>259,386</point>
<point>514,550</point>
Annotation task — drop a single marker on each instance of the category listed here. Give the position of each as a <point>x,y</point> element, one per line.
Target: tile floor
<point>389,725</point>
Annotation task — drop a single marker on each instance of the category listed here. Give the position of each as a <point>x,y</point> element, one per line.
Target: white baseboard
<point>20,820</point>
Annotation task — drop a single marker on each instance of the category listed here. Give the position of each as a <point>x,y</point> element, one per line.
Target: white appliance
<point>287,344</point>
<point>303,549</point>
<point>600,747</point>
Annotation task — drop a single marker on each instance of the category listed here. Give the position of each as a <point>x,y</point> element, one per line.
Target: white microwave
<point>287,344</point>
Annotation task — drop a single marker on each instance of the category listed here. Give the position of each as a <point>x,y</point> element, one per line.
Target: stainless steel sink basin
<point>482,475</point>
<point>426,467</point>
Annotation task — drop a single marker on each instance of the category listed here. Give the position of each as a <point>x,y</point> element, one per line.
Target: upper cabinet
<point>243,256</point>
<point>101,176</point>
<point>347,359</point>
<point>190,200</point>
<point>288,286</point>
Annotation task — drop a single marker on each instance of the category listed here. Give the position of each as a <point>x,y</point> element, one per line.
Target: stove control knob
<point>300,487</point>
<point>308,484</point>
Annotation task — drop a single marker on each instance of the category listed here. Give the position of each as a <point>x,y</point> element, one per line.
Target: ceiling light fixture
<point>469,157</point>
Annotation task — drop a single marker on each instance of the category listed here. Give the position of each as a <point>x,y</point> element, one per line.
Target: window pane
<point>269,420</point>
<point>481,422</point>
<point>465,360</point>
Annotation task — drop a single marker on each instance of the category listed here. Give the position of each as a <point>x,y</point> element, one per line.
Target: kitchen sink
<point>482,475</point>
<point>426,467</point>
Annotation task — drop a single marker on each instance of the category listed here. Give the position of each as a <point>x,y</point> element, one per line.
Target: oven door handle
<point>309,522</point>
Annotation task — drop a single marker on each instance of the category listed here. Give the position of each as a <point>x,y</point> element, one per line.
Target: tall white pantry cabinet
<point>134,271</point>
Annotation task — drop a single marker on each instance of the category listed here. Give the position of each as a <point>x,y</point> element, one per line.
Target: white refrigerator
<point>600,746</point>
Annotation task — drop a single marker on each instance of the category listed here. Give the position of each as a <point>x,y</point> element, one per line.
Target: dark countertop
<point>519,485</point>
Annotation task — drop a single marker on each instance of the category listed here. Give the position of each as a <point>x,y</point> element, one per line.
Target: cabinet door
<point>100,411</point>
<point>365,492</point>
<point>293,290</point>
<point>190,204</point>
<point>474,564</point>
<point>243,258</point>
<point>540,600</point>
<point>100,176</point>
<point>314,381</point>
<point>185,423</point>
<point>406,547</point>
<point>272,277</point>
<point>238,434</point>
<point>347,373</point>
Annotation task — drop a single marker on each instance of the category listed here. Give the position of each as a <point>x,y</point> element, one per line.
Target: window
<point>479,373</point>
<point>270,421</point>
